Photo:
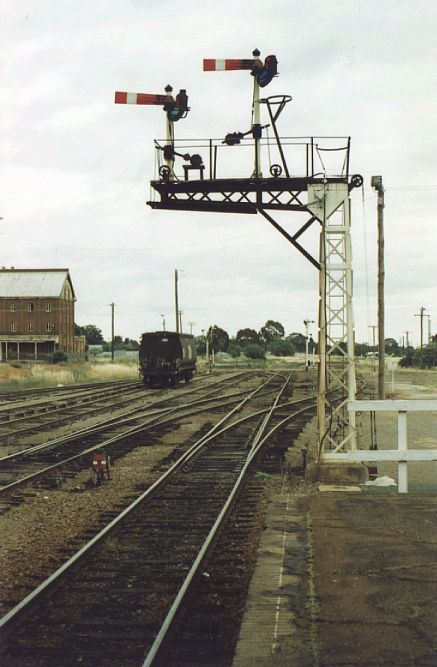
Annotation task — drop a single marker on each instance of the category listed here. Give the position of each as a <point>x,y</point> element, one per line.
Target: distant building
<point>37,314</point>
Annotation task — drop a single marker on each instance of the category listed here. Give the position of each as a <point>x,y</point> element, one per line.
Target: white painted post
<point>257,121</point>
<point>169,129</point>
<point>402,446</point>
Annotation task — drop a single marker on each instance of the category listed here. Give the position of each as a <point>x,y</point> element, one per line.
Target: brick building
<point>37,314</point>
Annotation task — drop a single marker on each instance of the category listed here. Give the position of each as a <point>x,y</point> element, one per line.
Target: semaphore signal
<point>175,109</point>
<point>262,74</point>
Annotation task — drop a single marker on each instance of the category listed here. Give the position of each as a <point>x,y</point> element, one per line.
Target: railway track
<point>19,421</point>
<point>22,418</point>
<point>59,390</point>
<point>49,463</point>
<point>119,597</point>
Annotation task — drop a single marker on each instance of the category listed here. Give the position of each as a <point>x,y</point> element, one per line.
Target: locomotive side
<point>167,357</point>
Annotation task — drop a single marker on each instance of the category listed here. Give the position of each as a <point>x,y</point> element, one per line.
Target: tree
<point>282,348</point>
<point>118,343</point>
<point>200,345</point>
<point>247,336</point>
<point>131,344</point>
<point>425,357</point>
<point>92,333</point>
<point>254,351</point>
<point>298,340</point>
<point>361,349</point>
<point>271,331</point>
<point>218,338</point>
<point>391,347</point>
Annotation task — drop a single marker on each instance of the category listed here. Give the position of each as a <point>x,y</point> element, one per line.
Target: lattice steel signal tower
<point>312,187</point>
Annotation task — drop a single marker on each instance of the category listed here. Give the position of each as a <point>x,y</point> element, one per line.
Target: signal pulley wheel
<point>276,170</point>
<point>164,172</point>
<point>356,181</point>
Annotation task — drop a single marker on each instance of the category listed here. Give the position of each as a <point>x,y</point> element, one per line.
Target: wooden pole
<point>376,183</point>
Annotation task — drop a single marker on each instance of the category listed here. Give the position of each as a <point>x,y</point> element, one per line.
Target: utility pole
<point>180,321</point>
<point>176,300</point>
<point>112,331</point>
<point>376,183</point>
<point>191,327</point>
<point>163,322</point>
<point>421,315</point>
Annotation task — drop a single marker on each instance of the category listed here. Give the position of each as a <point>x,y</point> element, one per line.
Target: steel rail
<point>89,430</point>
<point>158,643</point>
<point>78,411</point>
<point>75,397</point>
<point>161,420</point>
<point>162,417</point>
<point>8,621</point>
<point>55,388</point>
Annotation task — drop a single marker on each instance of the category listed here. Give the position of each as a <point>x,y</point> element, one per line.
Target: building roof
<point>34,283</point>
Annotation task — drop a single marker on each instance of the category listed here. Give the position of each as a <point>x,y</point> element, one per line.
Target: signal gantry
<point>309,175</point>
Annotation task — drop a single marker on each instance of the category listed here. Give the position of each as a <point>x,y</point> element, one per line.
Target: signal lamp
<point>266,73</point>
<point>271,65</point>
<point>182,99</point>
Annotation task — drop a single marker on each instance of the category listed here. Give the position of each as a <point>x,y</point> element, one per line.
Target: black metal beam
<point>231,185</point>
<point>292,240</point>
<point>203,206</point>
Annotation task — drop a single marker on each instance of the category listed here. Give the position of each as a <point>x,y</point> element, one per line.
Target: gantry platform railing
<point>206,174</point>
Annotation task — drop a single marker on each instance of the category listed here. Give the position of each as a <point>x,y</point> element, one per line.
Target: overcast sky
<point>76,167</point>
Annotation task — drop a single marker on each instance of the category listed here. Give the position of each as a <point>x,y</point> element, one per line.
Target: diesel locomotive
<point>167,357</point>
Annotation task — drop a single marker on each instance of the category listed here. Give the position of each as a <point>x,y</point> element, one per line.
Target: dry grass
<point>23,376</point>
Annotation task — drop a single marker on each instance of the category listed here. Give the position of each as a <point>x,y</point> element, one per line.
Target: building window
<point>13,326</point>
<point>13,307</point>
<point>30,326</point>
<point>48,307</point>
<point>30,307</point>
<point>49,326</point>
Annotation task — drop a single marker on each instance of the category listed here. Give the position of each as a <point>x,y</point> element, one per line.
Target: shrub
<point>254,351</point>
<point>59,356</point>
<point>283,348</point>
<point>234,350</point>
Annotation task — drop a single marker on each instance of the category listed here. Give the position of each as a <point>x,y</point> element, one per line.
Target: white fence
<point>402,454</point>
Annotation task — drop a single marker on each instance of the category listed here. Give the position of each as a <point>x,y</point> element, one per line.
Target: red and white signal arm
<point>140,98</point>
<point>217,65</point>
